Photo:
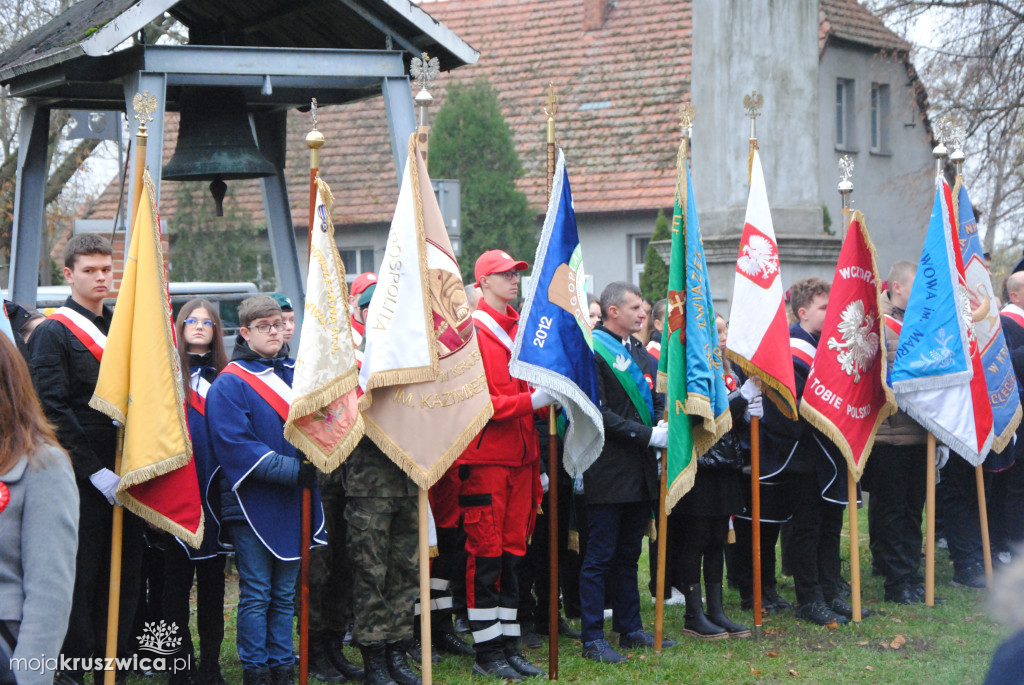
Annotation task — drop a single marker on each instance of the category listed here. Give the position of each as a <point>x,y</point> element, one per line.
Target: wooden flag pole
<point>550,110</point>
<point>144,106</point>
<point>659,606</point>
<point>314,141</point>
<point>845,189</point>
<point>929,526</point>
<point>986,547</point>
<point>752,103</point>
<point>424,70</point>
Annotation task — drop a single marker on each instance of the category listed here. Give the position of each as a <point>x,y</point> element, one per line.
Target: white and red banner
<point>758,339</point>
<point>846,396</point>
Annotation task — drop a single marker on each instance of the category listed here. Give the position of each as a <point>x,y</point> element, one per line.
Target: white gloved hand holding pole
<point>659,436</point>
<point>755,407</point>
<point>750,389</point>
<point>540,398</point>
<point>106,481</point>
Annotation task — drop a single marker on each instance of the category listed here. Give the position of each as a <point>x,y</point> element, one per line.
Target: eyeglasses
<point>264,328</point>
<point>196,322</point>
<point>512,275</point>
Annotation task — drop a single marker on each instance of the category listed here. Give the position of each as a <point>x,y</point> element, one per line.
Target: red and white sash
<point>83,329</point>
<point>1014,312</point>
<point>654,349</point>
<point>267,385</point>
<point>200,386</point>
<point>802,350</point>
<point>488,322</point>
<point>893,324</point>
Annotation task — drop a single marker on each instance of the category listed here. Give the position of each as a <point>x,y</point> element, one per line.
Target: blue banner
<point>554,349</point>
<point>995,357</point>
<point>5,323</point>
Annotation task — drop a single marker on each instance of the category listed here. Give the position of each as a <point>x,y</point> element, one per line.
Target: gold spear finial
<point>144,105</point>
<point>551,103</point>
<point>687,113</point>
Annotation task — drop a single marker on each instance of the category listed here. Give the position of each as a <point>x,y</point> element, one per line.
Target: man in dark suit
<point>621,487</point>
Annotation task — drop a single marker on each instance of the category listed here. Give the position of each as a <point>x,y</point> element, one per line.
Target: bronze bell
<point>215,142</point>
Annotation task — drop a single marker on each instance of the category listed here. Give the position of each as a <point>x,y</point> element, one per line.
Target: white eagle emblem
<point>758,258</point>
<point>860,344</point>
<point>963,300</point>
<point>622,362</point>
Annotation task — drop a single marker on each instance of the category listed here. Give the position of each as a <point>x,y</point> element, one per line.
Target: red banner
<point>846,396</point>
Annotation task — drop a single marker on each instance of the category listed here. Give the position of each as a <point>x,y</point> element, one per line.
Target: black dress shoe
<point>601,651</point>
<point>398,667</point>
<point>972,576</point>
<point>564,628</point>
<point>453,644</point>
<point>819,614</point>
<point>843,608</point>
<point>640,639</point>
<point>918,591</point>
<point>525,666</point>
<point>529,638</point>
<point>462,624</point>
<point>904,595</point>
<point>498,668</point>
<point>772,597</point>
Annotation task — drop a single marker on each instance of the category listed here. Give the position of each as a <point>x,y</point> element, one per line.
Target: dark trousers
<point>209,577</point>
<point>960,506</point>
<point>1005,500</point>
<point>741,557</point>
<point>814,541</point>
<point>702,544</point>
<point>534,576</point>
<point>87,626</point>
<point>896,476</point>
<point>614,537</point>
<point>674,577</point>
<point>330,572</point>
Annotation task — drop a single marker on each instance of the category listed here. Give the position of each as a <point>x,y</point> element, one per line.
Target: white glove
<point>659,436</point>
<point>539,399</point>
<point>941,456</point>
<point>750,389</point>
<point>544,482</point>
<point>106,481</point>
<point>755,407</point>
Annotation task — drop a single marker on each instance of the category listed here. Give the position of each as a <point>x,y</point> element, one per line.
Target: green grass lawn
<point>949,643</point>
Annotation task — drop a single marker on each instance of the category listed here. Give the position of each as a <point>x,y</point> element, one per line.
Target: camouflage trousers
<point>330,570</point>
<point>382,544</point>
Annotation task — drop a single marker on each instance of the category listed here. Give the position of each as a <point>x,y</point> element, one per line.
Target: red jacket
<point>509,438</point>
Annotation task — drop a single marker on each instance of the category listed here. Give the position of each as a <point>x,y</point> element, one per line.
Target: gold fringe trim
<point>1000,442</point>
<point>314,452</point>
<point>192,539</point>
<point>712,428</point>
<point>392,377</point>
<point>682,484</point>
<point>414,161</point>
<point>652,530</point>
<point>661,385</point>
<point>779,393</point>
<point>433,552</point>
<point>150,471</point>
<point>574,541</point>
<point>730,539</point>
<point>681,175</point>
<point>321,397</point>
<point>107,407</point>
<point>425,479</point>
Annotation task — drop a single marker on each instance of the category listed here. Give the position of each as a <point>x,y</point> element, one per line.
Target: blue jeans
<point>266,596</point>
<point>614,536</point>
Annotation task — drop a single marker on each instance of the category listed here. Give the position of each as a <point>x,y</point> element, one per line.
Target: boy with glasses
<point>261,491</point>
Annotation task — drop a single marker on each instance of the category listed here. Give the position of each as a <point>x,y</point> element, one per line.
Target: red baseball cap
<point>494,262</point>
<point>362,282</point>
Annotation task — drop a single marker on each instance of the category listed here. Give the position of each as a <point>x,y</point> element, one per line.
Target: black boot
<point>398,666</point>
<point>209,671</point>
<point>333,645</point>
<point>716,612</point>
<point>697,624</point>
<point>255,676</point>
<point>375,666</point>
<point>320,666</point>
<point>282,675</point>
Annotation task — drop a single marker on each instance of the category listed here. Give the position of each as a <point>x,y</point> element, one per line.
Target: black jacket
<point>627,470</point>
<point>64,373</point>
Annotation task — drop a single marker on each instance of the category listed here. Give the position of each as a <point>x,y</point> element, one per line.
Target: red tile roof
<point>850,20</point>
<point>619,89</point>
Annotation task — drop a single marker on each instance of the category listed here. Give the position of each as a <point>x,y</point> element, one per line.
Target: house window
<point>638,252</point>
<point>356,261</point>
<point>844,114</point>
<point>880,118</point>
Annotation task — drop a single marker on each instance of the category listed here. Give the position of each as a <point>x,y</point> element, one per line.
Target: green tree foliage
<point>654,280</point>
<point>471,141</point>
<point>205,247</point>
